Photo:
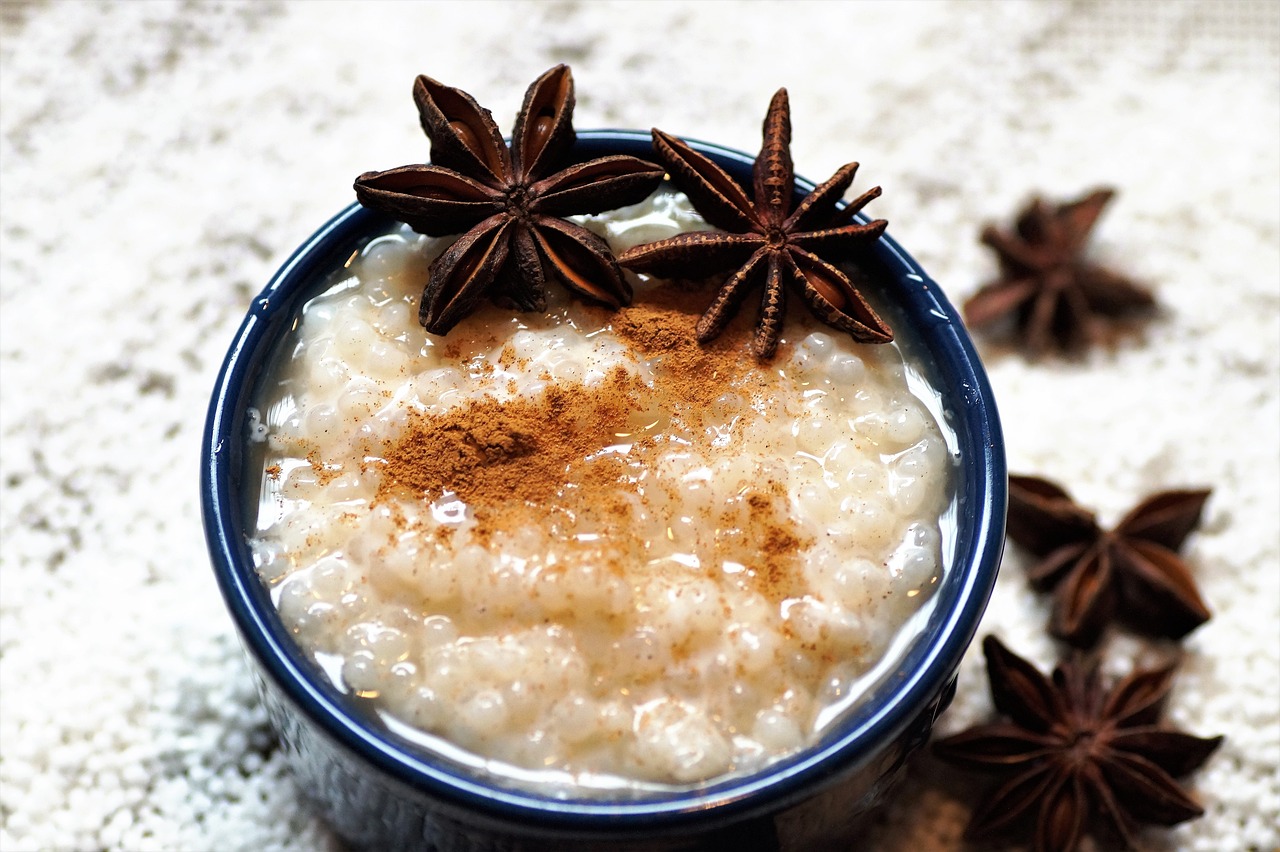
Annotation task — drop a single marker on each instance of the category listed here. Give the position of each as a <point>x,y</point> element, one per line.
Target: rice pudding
<point>577,547</point>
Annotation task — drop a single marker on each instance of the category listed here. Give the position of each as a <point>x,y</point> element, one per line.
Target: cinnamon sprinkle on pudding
<point>581,548</point>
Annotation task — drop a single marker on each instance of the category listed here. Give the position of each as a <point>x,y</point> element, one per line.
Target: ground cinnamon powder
<point>495,454</point>
<point>694,374</point>
<point>513,461</point>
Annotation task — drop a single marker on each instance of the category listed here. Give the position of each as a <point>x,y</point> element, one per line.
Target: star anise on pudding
<point>1075,756</point>
<point>1056,298</point>
<point>508,202</point>
<point>765,239</point>
<point>1132,571</point>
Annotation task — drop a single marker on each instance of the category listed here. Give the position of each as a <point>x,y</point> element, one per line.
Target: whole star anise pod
<point>1133,570</point>
<point>1055,296</point>
<point>765,238</point>
<point>508,201</point>
<point>1076,756</point>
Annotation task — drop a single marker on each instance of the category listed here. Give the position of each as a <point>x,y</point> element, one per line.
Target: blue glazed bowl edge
<point>768,792</point>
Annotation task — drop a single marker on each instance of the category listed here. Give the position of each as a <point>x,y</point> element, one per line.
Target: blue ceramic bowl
<point>378,791</point>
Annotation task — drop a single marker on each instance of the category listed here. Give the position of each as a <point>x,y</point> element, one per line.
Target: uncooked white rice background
<point>161,159</point>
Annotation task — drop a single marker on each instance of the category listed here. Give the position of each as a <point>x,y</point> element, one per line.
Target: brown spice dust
<point>513,462</point>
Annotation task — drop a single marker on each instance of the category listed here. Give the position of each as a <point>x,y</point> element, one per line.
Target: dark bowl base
<point>373,811</point>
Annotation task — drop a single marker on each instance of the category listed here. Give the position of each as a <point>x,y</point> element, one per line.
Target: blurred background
<point>159,160</point>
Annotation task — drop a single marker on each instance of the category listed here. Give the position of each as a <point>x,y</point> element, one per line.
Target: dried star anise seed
<point>1056,298</point>
<point>765,239</point>
<point>1076,757</point>
<point>1132,571</point>
<point>508,203</point>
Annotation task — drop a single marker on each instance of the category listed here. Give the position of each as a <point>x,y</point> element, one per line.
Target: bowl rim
<point>862,736</point>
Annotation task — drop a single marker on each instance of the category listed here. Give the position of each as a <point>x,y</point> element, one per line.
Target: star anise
<point>765,238</point>
<point>1133,570</point>
<point>508,201</point>
<point>1076,757</point>
<point>1055,296</point>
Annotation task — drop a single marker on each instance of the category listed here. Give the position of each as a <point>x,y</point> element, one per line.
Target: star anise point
<point>1056,298</point>
<point>506,202</point>
<point>1076,757</point>
<point>771,245</point>
<point>1132,571</point>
